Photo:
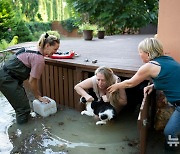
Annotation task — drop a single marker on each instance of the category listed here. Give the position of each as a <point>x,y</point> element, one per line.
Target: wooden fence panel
<point>71,88</point>
<point>56,84</point>
<point>61,85</point>
<point>47,86</point>
<point>51,81</point>
<point>43,83</point>
<point>66,86</point>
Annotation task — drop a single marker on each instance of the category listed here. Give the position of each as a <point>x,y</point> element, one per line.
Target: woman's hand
<point>89,98</point>
<point>113,88</point>
<point>43,100</point>
<point>148,89</point>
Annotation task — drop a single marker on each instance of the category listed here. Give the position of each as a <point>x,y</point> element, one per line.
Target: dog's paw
<point>100,122</point>
<point>83,112</point>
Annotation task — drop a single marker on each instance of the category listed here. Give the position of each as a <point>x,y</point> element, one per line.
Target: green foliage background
<point>117,16</point>
<point>35,16</point>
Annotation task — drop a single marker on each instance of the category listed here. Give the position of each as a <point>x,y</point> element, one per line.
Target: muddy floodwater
<point>7,119</point>
<point>66,132</point>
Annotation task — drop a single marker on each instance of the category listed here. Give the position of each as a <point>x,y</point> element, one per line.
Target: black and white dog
<point>104,110</point>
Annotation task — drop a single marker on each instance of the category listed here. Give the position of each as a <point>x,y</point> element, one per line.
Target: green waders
<point>12,75</point>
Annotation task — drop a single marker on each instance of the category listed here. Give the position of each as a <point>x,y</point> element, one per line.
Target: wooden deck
<point>117,52</point>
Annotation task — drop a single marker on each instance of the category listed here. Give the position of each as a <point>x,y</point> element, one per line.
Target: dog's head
<point>104,110</point>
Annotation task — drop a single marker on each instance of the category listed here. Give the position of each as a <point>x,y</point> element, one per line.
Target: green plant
<point>118,16</point>
<point>4,45</point>
<point>87,26</point>
<point>101,29</point>
<point>23,32</point>
<point>7,20</point>
<point>55,33</point>
<point>38,26</point>
<point>36,35</point>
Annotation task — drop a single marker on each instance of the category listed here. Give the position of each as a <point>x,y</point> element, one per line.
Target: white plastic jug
<point>44,109</point>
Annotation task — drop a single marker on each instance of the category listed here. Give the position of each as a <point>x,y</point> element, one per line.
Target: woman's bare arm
<point>82,87</point>
<point>34,87</point>
<point>142,74</point>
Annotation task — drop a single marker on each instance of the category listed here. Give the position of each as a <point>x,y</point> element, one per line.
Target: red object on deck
<point>68,55</point>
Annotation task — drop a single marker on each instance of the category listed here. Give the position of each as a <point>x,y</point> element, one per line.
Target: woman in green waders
<point>27,63</point>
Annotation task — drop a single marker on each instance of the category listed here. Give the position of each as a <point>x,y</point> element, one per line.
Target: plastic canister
<point>44,109</point>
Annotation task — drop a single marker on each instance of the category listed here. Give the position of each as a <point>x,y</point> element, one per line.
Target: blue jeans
<point>173,126</point>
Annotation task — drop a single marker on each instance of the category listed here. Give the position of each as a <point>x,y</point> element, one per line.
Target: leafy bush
<point>70,24</point>
<point>7,20</point>
<point>117,16</point>
<point>23,32</point>
<point>36,35</point>
<point>4,45</point>
<point>55,33</point>
<point>38,26</point>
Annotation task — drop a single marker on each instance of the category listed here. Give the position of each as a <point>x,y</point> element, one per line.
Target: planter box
<point>88,34</point>
<point>101,34</point>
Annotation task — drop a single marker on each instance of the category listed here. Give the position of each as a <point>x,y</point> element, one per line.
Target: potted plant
<point>87,29</point>
<point>101,32</point>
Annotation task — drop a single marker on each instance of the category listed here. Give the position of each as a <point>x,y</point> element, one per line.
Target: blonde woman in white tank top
<point>103,78</point>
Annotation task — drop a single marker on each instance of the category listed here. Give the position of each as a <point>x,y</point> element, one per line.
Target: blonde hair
<point>110,80</point>
<point>46,38</point>
<point>108,74</point>
<point>151,46</point>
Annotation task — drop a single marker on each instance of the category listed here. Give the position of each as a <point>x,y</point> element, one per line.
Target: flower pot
<point>88,34</point>
<point>101,34</point>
